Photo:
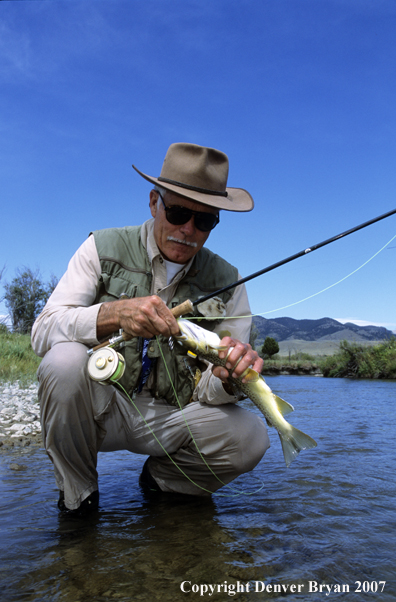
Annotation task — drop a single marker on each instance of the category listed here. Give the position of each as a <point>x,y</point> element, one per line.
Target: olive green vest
<point>126,273</point>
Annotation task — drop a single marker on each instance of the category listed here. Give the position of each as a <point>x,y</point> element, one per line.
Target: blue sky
<point>299,93</point>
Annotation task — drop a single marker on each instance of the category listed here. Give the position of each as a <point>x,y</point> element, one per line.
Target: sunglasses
<point>177,215</point>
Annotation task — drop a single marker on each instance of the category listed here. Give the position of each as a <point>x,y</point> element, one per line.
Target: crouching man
<point>129,278</point>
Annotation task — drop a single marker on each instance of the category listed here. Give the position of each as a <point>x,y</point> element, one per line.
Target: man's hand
<point>241,357</point>
<point>138,317</point>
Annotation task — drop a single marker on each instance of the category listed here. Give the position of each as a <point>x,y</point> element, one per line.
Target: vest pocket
<point>116,288</point>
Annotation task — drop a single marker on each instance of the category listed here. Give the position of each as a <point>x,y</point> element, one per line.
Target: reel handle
<point>184,308</point>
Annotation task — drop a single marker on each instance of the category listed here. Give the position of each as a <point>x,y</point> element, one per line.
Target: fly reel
<point>106,366</point>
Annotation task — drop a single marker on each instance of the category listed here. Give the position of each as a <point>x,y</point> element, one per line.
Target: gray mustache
<point>182,242</point>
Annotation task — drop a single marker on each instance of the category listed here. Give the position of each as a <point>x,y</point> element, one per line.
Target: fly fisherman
<point>128,278</point>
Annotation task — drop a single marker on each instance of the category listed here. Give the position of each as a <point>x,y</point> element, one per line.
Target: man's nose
<point>189,227</point>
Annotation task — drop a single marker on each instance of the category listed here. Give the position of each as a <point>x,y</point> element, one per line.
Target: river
<point>326,524</point>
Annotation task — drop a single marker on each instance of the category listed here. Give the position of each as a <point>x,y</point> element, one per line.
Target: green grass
<point>18,361</point>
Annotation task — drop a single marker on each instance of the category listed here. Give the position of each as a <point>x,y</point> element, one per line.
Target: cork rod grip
<point>184,308</point>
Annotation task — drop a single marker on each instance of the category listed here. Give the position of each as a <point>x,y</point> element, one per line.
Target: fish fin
<point>294,442</point>
<point>250,376</point>
<point>283,406</point>
<point>224,333</point>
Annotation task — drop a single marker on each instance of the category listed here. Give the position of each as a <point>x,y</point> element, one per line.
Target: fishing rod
<point>293,257</point>
<point>187,306</point>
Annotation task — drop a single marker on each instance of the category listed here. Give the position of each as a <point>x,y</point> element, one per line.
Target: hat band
<point>195,188</point>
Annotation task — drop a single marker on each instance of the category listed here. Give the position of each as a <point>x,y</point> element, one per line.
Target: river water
<point>326,523</point>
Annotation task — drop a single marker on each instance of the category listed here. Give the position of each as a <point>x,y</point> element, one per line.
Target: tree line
<point>25,297</point>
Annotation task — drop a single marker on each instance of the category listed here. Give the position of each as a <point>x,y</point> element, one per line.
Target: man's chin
<point>179,252</point>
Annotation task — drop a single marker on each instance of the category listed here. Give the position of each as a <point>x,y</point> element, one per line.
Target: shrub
<point>356,361</point>
<point>270,347</point>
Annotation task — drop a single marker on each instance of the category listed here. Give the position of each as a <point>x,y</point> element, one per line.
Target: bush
<point>356,361</point>
<point>270,347</point>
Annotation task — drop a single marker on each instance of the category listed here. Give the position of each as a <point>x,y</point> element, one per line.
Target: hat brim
<point>237,199</point>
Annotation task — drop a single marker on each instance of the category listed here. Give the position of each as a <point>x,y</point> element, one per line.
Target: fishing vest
<point>126,273</point>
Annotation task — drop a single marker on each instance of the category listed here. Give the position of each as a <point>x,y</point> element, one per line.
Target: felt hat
<point>200,173</point>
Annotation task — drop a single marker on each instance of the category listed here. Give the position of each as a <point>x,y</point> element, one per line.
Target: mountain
<point>325,329</point>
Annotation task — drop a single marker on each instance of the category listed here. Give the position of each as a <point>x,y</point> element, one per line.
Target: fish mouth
<point>196,338</point>
<point>187,334</point>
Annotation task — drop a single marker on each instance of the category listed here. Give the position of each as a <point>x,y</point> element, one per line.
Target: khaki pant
<point>80,417</point>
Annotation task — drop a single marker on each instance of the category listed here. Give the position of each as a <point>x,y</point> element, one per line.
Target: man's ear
<point>153,202</point>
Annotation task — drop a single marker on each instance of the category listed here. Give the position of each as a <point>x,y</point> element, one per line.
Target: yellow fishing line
<point>192,436</point>
<point>158,441</point>
<point>177,466</point>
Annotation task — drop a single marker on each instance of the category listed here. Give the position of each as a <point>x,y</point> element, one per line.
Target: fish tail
<point>293,442</point>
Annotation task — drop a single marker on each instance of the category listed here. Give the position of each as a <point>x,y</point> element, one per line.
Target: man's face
<point>177,243</point>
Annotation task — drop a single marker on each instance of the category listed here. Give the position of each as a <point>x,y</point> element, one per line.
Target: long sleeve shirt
<point>71,312</point>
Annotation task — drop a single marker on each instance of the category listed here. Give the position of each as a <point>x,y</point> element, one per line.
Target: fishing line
<point>195,443</point>
<point>158,441</point>
<point>331,285</point>
<point>172,460</point>
<point>184,418</point>
<point>296,302</point>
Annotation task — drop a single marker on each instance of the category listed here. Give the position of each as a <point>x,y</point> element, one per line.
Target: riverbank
<point>19,416</point>
<point>352,360</point>
<point>279,369</point>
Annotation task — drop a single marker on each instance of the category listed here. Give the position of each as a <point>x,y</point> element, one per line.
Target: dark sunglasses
<point>177,215</point>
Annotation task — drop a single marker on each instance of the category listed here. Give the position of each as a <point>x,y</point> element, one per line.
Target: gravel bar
<point>19,416</point>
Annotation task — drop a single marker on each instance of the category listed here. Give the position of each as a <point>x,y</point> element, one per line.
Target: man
<point>183,416</point>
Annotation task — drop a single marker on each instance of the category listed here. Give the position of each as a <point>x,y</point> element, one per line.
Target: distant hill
<point>325,329</point>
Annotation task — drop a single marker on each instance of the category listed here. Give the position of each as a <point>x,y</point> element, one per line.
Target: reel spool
<point>106,366</point>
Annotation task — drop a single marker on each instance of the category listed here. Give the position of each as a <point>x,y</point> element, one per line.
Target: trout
<point>206,345</point>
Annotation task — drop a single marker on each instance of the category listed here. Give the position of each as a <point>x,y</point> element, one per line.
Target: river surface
<point>328,521</point>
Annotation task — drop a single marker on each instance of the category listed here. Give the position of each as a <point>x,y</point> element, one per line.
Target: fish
<point>206,345</point>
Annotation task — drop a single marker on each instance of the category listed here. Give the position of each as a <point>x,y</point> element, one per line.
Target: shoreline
<point>291,370</point>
